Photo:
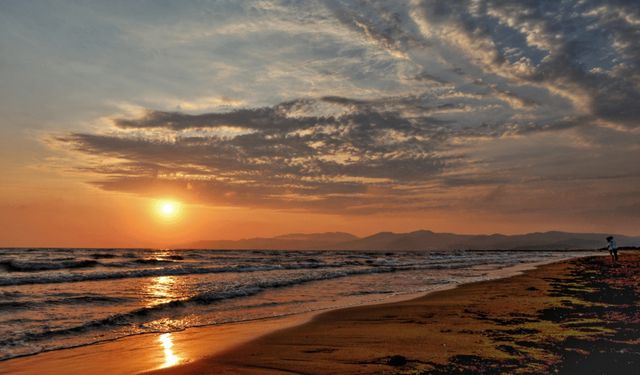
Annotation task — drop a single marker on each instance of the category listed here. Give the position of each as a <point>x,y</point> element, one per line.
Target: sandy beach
<point>580,316</point>
<point>576,316</point>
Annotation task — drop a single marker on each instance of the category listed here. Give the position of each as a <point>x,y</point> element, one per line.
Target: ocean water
<point>58,298</point>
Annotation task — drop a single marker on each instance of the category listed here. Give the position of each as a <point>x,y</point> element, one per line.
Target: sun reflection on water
<point>161,289</point>
<point>170,358</point>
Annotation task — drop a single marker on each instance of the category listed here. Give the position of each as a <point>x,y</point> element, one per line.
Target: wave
<point>147,314</point>
<point>103,255</point>
<point>35,265</point>
<point>80,300</point>
<point>13,265</point>
<point>153,261</point>
<point>150,272</point>
<point>188,270</point>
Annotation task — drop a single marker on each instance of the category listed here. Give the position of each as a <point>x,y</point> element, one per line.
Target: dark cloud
<point>586,49</point>
<point>380,23</point>
<point>259,118</point>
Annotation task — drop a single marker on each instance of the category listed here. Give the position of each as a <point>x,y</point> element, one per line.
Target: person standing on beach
<point>613,248</point>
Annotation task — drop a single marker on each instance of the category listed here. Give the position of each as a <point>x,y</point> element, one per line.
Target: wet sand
<point>140,353</point>
<point>578,317</point>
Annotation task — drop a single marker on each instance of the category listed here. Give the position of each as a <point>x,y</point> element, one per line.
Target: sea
<point>60,298</point>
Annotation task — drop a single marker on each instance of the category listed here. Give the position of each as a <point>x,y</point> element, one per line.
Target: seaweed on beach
<point>590,325</point>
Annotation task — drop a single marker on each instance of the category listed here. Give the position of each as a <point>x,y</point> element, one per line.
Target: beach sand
<point>578,316</point>
<point>581,316</point>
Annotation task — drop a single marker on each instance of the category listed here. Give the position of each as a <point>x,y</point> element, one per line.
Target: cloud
<point>375,153</point>
<point>383,106</point>
<point>582,51</point>
<point>306,158</point>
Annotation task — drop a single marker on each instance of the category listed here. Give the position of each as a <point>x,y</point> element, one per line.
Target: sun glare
<point>168,209</point>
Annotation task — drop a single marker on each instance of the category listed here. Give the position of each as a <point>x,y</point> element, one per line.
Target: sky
<point>267,117</point>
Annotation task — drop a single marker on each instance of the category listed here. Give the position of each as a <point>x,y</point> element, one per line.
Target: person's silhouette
<point>613,248</point>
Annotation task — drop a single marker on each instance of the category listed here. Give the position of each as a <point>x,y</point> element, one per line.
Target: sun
<point>168,209</point>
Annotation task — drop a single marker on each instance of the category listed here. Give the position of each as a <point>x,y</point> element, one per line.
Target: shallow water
<point>56,298</point>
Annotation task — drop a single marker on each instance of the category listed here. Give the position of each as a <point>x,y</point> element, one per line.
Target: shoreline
<point>187,342</point>
<point>560,317</point>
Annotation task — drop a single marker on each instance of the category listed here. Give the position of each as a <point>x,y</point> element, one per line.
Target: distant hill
<point>427,240</point>
<point>420,240</point>
<point>294,241</point>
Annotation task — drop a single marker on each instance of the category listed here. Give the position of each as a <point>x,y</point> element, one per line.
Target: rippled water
<point>56,298</point>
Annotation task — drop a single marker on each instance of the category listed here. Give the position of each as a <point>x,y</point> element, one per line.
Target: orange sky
<point>67,213</point>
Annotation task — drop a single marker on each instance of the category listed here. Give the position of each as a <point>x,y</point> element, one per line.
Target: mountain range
<point>419,240</point>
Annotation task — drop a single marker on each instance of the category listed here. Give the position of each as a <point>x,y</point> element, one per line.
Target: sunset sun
<point>168,209</point>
